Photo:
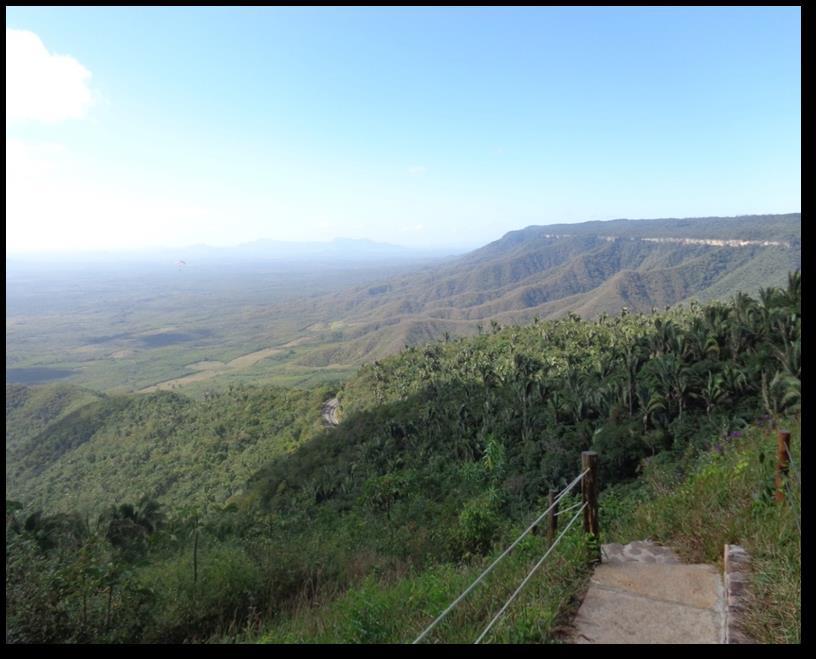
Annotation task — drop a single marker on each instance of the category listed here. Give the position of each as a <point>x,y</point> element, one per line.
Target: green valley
<point>158,517</point>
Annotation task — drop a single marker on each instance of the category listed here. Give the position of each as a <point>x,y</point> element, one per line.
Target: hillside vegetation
<point>214,326</point>
<point>162,445</point>
<point>366,531</point>
<point>588,268</point>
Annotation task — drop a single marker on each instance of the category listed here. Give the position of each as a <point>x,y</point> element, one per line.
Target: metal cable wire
<point>503,554</point>
<point>566,510</point>
<point>527,578</point>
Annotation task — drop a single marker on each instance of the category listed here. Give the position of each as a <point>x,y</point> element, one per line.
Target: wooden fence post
<point>589,496</point>
<point>782,463</point>
<point>552,527</point>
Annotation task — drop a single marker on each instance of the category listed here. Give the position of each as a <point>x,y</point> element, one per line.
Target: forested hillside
<point>443,451</point>
<point>161,445</point>
<point>587,268</point>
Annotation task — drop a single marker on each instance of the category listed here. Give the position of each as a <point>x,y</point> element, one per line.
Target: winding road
<point>329,412</point>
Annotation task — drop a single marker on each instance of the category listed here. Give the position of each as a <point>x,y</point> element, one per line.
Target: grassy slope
<point>398,609</point>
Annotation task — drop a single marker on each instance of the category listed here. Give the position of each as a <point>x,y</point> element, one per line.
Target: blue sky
<point>174,126</point>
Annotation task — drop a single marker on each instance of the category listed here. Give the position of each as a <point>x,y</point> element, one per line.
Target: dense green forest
<point>162,445</point>
<point>158,518</point>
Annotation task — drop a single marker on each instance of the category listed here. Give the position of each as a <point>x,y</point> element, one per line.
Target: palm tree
<point>712,392</point>
<point>788,390</point>
<point>651,404</point>
<point>129,526</point>
<point>793,294</point>
<point>555,404</point>
<point>66,530</point>
<point>527,373</point>
<point>715,316</point>
<point>790,356</point>
<point>744,308</point>
<point>672,381</point>
<point>734,380</point>
<point>632,358</point>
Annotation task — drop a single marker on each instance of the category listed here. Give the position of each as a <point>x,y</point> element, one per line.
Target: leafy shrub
<point>479,525</point>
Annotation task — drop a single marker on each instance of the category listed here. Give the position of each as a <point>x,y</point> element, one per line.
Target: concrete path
<point>642,593</point>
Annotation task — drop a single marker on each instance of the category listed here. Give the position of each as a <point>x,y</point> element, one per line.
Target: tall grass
<point>396,608</point>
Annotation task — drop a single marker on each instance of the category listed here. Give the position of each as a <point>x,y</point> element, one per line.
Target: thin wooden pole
<point>782,463</point>
<point>552,527</point>
<point>110,601</point>
<point>589,495</point>
<point>195,551</point>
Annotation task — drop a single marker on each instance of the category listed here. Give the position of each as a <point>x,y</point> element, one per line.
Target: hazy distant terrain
<point>127,321</point>
<point>303,313</point>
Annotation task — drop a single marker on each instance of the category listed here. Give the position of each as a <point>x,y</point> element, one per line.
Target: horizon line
<point>415,248</point>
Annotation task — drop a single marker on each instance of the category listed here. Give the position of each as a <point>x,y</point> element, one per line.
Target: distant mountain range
<point>546,271</point>
<point>339,250</point>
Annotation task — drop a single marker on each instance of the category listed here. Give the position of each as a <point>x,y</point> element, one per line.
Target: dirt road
<point>329,412</point>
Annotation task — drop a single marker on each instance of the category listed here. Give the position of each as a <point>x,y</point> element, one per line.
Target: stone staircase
<point>642,593</point>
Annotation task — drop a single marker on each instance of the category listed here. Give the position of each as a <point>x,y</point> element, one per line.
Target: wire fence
<point>529,576</point>
<point>489,569</point>
<point>566,510</point>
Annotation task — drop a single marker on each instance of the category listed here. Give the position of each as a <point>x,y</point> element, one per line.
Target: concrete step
<point>641,593</point>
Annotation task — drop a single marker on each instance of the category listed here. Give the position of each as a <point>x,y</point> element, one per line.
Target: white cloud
<point>417,170</point>
<point>41,86</point>
<point>414,228</point>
